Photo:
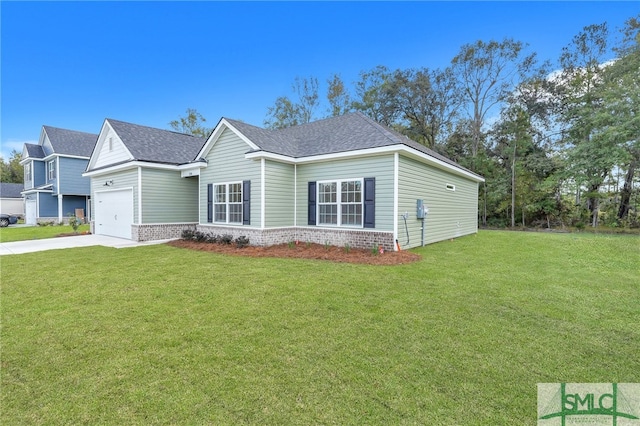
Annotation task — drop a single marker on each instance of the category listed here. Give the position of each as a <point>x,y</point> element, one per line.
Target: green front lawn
<point>13,233</point>
<point>160,335</point>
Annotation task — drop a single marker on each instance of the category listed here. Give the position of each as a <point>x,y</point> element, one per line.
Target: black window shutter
<point>210,203</point>
<point>312,204</point>
<point>246,202</point>
<point>369,202</point>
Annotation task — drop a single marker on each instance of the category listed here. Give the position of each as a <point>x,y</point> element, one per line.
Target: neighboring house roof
<point>157,145</point>
<point>34,151</point>
<point>350,132</point>
<point>11,190</point>
<point>70,142</point>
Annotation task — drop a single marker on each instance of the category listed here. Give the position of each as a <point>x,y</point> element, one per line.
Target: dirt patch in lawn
<point>305,251</point>
<point>73,234</point>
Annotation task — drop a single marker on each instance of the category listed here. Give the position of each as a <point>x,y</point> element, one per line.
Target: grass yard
<point>26,233</point>
<point>161,335</point>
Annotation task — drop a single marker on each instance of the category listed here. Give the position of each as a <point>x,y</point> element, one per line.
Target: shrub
<point>75,223</point>
<point>188,234</point>
<point>200,236</point>
<point>226,239</point>
<point>242,241</point>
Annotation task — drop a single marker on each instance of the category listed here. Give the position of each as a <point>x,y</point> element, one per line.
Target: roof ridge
<point>153,128</point>
<point>46,126</point>
<point>379,127</point>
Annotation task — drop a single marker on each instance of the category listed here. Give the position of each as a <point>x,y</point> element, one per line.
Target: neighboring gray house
<point>342,180</point>
<point>54,187</point>
<point>11,201</point>
<point>139,189</point>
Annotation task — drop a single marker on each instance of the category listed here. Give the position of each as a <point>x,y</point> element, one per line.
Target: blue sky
<point>73,64</point>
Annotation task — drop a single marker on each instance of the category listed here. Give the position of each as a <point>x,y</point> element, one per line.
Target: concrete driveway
<point>31,246</point>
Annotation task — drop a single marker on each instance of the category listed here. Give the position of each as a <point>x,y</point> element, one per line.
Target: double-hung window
<point>340,203</point>
<point>27,172</point>
<point>51,165</point>
<point>227,204</point>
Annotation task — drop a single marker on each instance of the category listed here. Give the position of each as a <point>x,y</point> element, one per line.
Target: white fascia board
<point>258,155</point>
<point>43,135</point>
<point>25,154</point>
<point>35,190</point>
<point>215,135</point>
<point>131,165</point>
<point>421,156</point>
<point>26,160</point>
<point>192,166</point>
<point>97,146</point>
<point>49,157</point>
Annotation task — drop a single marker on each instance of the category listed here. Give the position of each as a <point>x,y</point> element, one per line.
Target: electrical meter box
<point>421,210</point>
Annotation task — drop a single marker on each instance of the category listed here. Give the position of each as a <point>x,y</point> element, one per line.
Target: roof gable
<point>32,151</point>
<point>109,149</point>
<point>143,143</point>
<point>242,130</point>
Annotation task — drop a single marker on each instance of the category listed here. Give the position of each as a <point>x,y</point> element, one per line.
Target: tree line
<point>558,146</point>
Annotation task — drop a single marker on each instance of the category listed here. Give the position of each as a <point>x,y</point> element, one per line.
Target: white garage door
<point>114,213</point>
<point>30,212</point>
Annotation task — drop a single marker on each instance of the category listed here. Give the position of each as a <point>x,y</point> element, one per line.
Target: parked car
<point>7,219</point>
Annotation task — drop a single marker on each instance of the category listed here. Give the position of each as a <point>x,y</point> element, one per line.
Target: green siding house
<point>342,180</point>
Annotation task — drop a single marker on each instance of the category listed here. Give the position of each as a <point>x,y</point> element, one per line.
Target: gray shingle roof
<point>157,145</point>
<point>34,151</point>
<point>11,190</point>
<point>333,135</point>
<point>71,142</point>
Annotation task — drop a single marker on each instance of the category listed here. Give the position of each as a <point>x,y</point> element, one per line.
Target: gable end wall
<point>226,163</point>
<point>105,156</point>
